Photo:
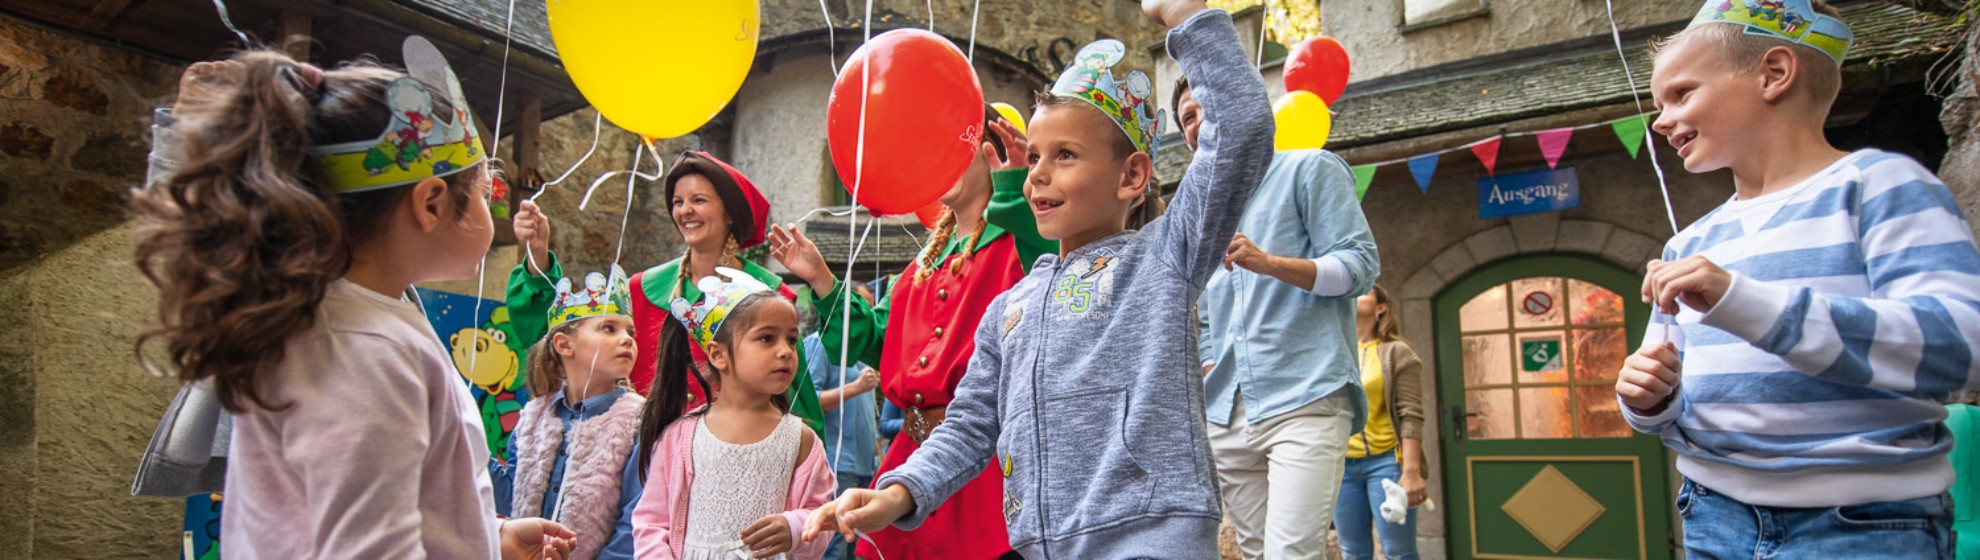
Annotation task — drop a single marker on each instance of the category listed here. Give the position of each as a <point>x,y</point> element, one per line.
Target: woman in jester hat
<point>718,212</point>
<point>922,335</point>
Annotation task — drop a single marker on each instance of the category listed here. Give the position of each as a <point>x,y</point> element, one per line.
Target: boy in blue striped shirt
<point>1807,329</point>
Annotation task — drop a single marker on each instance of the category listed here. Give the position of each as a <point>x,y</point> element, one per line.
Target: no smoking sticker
<point>1537,303</point>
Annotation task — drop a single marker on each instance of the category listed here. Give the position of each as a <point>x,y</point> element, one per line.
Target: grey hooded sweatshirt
<point>1086,387</point>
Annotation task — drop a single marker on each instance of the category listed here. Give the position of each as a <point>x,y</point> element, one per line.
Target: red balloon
<point>927,215</point>
<point>1318,65</point>
<point>922,127</point>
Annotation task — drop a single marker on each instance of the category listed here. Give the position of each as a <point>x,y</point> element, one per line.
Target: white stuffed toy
<point>1395,503</point>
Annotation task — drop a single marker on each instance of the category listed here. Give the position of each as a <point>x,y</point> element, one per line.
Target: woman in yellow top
<point>1390,447</point>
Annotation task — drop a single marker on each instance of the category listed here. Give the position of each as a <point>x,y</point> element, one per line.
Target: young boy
<point>1085,386</point>
<point>1820,316</point>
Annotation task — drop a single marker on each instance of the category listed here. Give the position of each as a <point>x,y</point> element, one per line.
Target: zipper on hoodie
<point>1037,419</point>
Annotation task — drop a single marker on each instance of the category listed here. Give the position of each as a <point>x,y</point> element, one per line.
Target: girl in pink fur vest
<point>738,477</point>
<point>574,443</point>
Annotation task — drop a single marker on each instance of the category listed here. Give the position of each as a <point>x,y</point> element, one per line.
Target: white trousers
<point>1279,477</point>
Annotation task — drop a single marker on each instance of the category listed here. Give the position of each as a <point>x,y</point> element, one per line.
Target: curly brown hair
<point>244,238</point>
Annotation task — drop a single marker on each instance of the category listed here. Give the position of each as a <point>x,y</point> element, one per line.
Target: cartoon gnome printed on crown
<point>601,295</point>
<point>1091,79</point>
<point>421,139</point>
<point>719,295</point>
<point>1794,21</point>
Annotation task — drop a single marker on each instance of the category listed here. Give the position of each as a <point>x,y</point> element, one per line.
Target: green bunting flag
<point>1630,131</point>
<point>1363,176</point>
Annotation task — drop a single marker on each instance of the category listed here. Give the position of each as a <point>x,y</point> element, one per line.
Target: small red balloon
<point>923,124</point>
<point>1318,65</point>
<point>929,214</point>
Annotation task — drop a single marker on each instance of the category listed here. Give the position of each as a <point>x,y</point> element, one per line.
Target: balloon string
<point>839,442</point>
<point>221,6</point>
<point>859,178</point>
<point>1615,32</point>
<point>631,180</point>
<point>974,11</point>
<point>831,39</point>
<point>596,126</point>
<point>931,16</point>
<point>1264,17</point>
<point>502,92</point>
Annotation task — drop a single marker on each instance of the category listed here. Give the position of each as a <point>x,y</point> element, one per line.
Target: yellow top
<point>1379,436</point>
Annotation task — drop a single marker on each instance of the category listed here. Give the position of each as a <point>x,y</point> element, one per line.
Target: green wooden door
<point>1538,461</point>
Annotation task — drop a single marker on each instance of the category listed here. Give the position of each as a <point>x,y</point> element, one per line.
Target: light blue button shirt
<point>850,441</point>
<point>1278,345</point>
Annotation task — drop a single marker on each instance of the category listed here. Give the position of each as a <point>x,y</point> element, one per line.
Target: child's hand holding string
<point>531,538</point>
<point>1696,281</point>
<point>860,511</point>
<point>768,536</point>
<point>533,234</point>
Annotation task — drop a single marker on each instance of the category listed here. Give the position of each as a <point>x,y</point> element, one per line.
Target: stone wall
<point>74,130</point>
<point>1961,115</point>
<point>76,409</point>
<point>1377,46</point>
<point>1025,29</point>
<point>586,240</point>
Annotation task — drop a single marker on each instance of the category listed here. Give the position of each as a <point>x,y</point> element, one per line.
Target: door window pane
<point>1487,360</point>
<point>1490,414</point>
<point>1543,413</point>
<point>1599,353</point>
<point>1599,414</point>
<point>1594,304</point>
<point>1536,302</point>
<point>1486,312</point>
<point>1543,357</point>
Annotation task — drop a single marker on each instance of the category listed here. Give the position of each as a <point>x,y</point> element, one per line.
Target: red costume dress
<point>922,338</point>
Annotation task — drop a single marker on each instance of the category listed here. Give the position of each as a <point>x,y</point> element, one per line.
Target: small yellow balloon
<point>1010,114</point>
<point>1303,120</point>
<point>660,69</point>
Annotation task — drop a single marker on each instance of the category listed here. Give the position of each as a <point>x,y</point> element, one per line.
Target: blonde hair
<point>945,230</point>
<point>1816,73</point>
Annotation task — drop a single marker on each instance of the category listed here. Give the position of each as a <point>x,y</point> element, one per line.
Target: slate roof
<point>531,30</point>
<point>895,240</point>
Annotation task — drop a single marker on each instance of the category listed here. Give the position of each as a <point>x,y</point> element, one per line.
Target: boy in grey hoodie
<point>1085,386</point>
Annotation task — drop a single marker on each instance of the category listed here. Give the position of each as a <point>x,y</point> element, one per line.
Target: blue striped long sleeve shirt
<point>1853,311</point>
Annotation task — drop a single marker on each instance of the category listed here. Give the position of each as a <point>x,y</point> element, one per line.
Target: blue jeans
<point>840,549</point>
<point>1360,507</point>
<point>1718,526</point>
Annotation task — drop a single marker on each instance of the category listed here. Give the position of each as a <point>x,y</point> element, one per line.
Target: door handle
<point>1458,425</point>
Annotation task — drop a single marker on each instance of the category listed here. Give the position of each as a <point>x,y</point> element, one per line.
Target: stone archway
<point>1535,234</point>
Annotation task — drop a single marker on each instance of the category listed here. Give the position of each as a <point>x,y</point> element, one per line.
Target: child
<point>737,477</point>
<point>1826,309</point>
<point>718,212</point>
<point>982,245</point>
<point>574,444</point>
<point>280,260</point>
<point>1085,386</point>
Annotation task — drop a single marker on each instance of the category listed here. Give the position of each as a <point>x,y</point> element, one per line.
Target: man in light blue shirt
<point>1282,384</point>
<point>851,422</point>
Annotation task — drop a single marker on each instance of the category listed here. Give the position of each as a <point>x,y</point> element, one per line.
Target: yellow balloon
<point>660,69</point>
<point>1010,114</point>
<point>1303,120</point>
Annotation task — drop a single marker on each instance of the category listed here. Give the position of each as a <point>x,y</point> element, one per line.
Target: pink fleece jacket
<point>663,506</point>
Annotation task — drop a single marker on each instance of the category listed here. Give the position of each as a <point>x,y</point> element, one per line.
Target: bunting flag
<point>1423,167</point>
<point>1488,153</point>
<point>1630,131</point>
<point>1553,143</point>
<point>1363,176</point>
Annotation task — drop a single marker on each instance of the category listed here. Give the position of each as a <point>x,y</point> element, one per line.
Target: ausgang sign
<point>1528,193</point>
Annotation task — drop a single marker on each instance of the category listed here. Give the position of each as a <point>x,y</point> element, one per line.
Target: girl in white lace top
<point>737,478</point>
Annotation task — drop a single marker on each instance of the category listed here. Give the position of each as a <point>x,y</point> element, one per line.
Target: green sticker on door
<point>1540,355</point>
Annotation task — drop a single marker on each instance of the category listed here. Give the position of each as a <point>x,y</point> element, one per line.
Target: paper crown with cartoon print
<point>421,139</point>
<point>719,296</point>
<point>1090,78</point>
<point>600,295</point>
<point>1794,21</point>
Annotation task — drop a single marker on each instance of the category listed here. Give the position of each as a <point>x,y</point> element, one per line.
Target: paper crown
<point>719,295</point>
<point>600,295</point>
<point>1090,78</point>
<point>420,140</point>
<point>1794,21</point>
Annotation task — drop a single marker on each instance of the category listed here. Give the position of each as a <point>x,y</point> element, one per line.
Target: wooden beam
<point>101,15</point>
<point>293,33</point>
<point>525,150</point>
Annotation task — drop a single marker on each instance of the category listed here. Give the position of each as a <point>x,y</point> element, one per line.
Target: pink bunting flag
<point>1488,153</point>
<point>1553,143</point>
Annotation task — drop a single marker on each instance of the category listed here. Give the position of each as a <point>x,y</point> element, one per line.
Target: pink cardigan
<point>671,474</point>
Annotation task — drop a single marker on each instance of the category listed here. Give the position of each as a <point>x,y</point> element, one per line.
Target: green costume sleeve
<point>529,298</point>
<point>1009,210</point>
<point>861,336</point>
<point>804,397</point>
